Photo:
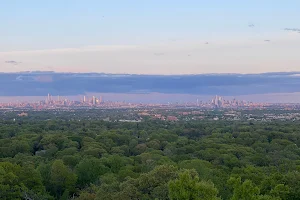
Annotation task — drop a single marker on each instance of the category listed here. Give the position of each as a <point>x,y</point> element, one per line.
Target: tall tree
<point>189,187</point>
<point>61,178</point>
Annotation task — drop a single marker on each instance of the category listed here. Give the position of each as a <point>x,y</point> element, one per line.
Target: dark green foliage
<point>189,187</point>
<point>89,171</point>
<point>17,182</point>
<point>62,180</point>
<point>93,159</point>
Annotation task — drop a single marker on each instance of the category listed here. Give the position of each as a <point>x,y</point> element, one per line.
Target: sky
<point>150,36</point>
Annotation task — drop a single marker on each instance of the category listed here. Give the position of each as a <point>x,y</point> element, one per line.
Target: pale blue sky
<point>122,36</point>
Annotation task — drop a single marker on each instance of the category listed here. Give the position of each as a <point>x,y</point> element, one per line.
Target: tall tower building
<point>217,101</point>
<point>48,98</point>
<point>84,99</point>
<point>100,100</point>
<point>94,100</point>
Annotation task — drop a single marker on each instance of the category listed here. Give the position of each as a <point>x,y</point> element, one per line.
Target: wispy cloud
<point>293,29</point>
<point>12,62</point>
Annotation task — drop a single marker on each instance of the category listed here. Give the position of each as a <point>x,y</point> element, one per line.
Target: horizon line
<point>57,72</point>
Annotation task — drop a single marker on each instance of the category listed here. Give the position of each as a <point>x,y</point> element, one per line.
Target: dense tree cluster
<point>86,159</point>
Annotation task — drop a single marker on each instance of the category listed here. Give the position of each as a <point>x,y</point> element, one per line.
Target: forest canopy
<point>93,159</point>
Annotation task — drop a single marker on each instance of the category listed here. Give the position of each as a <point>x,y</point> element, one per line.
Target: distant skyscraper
<point>84,99</point>
<point>48,98</point>
<point>100,100</point>
<point>94,100</point>
<point>217,101</point>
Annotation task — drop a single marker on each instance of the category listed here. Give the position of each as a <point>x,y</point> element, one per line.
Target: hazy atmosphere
<point>150,37</point>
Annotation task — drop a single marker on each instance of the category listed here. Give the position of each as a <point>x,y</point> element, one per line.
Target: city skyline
<point>97,99</point>
<point>51,102</point>
<point>158,98</point>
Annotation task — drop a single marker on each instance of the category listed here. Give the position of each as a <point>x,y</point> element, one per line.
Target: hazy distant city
<point>99,102</point>
<point>97,108</point>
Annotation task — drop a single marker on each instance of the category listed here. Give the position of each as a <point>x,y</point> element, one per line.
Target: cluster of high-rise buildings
<point>220,102</point>
<point>91,101</point>
<point>84,101</point>
<point>51,101</point>
<point>217,101</point>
